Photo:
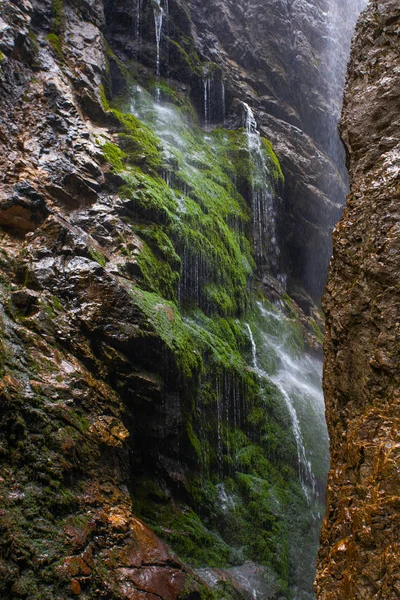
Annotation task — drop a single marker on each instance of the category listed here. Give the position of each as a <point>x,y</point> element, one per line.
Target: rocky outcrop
<point>133,284</point>
<point>73,343</point>
<point>288,60</point>
<point>359,556</point>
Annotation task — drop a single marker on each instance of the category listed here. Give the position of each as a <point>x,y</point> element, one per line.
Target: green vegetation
<point>114,155</point>
<point>185,55</point>
<point>98,257</point>
<point>55,42</point>
<point>273,164</point>
<point>186,197</point>
<point>319,334</point>
<point>57,16</point>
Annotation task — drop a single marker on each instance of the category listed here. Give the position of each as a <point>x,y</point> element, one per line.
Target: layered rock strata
<point>359,556</point>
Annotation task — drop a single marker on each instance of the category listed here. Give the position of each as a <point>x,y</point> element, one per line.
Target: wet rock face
<point>71,337</point>
<point>288,61</point>
<point>93,355</point>
<point>359,555</point>
<point>277,56</point>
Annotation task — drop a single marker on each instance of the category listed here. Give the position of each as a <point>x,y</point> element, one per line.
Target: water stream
<point>263,209</point>
<point>160,10</point>
<point>299,379</point>
<point>288,377</point>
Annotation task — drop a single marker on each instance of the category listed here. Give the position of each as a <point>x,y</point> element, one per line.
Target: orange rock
<point>76,587</point>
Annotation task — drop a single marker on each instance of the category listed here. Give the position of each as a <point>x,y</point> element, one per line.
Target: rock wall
<point>135,285</point>
<point>359,556</point>
<point>289,64</point>
<point>288,61</point>
<point>73,343</point>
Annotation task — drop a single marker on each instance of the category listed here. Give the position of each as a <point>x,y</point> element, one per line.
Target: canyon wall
<point>359,557</point>
<point>154,369</point>
<point>288,61</point>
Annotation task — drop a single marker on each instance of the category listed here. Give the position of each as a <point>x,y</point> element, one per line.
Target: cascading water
<point>287,379</point>
<point>161,11</point>
<point>230,430</point>
<point>214,97</point>
<point>298,378</point>
<point>253,347</point>
<point>270,453</point>
<point>207,98</point>
<point>223,99</point>
<point>158,20</point>
<point>263,210</point>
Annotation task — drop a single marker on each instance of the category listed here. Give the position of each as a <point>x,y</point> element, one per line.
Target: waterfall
<point>158,20</point>
<point>294,377</point>
<point>272,414</point>
<point>214,96</point>
<point>223,99</point>
<point>305,470</point>
<point>207,99</point>
<point>263,209</point>
<point>160,13</point>
<point>253,347</point>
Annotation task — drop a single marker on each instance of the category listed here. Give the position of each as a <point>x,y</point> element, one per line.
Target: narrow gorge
<point>170,176</point>
<point>359,555</point>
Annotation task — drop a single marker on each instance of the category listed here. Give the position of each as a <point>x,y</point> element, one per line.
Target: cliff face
<point>287,60</point>
<point>144,220</point>
<point>359,557</point>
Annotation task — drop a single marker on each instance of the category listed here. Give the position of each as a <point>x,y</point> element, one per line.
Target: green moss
<point>57,16</point>
<point>148,198</point>
<point>103,98</point>
<point>158,262</point>
<point>182,528</point>
<point>157,274</point>
<point>56,44</point>
<point>2,57</point>
<point>138,141</point>
<point>319,334</point>
<point>274,166</point>
<point>187,55</point>
<point>98,257</point>
<point>171,94</point>
<point>165,320</point>
<point>114,155</point>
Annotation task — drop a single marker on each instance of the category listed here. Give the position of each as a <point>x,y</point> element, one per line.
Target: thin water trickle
<point>253,347</point>
<point>138,13</point>
<point>219,397</point>
<point>223,99</point>
<point>263,209</point>
<point>160,12</point>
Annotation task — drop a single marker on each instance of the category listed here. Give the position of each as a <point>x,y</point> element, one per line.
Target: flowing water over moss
<point>250,500</point>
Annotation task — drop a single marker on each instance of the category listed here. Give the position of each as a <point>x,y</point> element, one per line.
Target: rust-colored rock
<point>359,557</point>
<point>76,587</point>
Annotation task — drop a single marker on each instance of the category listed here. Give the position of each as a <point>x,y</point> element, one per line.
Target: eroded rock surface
<point>359,557</point>
<point>111,403</point>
